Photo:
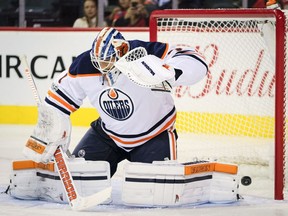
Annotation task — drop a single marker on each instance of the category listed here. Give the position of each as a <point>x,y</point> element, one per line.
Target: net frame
<point>280,67</point>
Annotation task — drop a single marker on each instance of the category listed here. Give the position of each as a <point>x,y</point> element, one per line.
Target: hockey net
<point>237,113</point>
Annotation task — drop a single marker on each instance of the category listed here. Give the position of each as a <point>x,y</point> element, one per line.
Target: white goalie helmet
<point>103,54</point>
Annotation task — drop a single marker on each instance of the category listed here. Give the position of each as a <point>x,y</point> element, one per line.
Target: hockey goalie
<point>129,83</point>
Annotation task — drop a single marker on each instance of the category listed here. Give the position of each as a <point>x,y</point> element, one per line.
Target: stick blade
<point>85,203</point>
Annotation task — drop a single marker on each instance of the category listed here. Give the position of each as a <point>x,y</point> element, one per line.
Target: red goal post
<point>244,94</point>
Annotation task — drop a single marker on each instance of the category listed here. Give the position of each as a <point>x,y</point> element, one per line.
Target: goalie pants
<point>97,145</point>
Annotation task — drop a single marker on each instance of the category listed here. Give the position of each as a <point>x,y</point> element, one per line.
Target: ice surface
<point>12,139</point>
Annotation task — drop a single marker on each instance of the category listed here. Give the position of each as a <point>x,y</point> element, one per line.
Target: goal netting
<point>237,113</point>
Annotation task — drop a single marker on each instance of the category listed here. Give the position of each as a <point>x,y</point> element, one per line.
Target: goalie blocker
<point>38,181</point>
<point>169,183</point>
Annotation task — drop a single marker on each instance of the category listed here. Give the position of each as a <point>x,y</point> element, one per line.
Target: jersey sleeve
<point>65,94</point>
<point>68,90</point>
<point>189,65</point>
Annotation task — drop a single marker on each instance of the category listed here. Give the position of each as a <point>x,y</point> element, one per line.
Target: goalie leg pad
<point>23,185</point>
<point>224,188</point>
<point>174,184</point>
<point>37,181</point>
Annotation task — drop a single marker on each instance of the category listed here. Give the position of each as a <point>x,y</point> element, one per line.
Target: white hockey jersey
<point>131,115</point>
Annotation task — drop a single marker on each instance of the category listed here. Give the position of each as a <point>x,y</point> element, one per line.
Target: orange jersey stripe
<point>172,144</point>
<point>165,52</point>
<point>60,100</point>
<point>146,138</point>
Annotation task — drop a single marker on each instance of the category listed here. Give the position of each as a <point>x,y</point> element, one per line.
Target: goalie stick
<point>76,202</point>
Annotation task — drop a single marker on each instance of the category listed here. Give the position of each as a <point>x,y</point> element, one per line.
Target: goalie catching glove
<point>53,129</point>
<point>146,70</point>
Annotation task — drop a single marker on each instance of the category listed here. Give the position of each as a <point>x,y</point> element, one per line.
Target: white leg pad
<point>23,184</point>
<point>224,188</point>
<point>31,180</point>
<point>174,184</point>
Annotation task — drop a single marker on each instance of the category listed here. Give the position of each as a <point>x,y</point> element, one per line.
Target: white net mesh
<point>230,115</point>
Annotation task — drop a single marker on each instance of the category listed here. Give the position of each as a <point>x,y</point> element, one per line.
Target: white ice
<point>12,139</point>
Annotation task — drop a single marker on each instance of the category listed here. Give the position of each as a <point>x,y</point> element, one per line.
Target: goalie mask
<point>103,54</point>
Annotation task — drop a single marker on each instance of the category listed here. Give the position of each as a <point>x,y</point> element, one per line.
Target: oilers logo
<point>116,104</point>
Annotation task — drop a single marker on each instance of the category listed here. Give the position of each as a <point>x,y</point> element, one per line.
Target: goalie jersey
<point>131,115</point>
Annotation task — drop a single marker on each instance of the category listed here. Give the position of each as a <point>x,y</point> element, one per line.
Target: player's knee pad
<point>174,184</point>
<point>31,180</point>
